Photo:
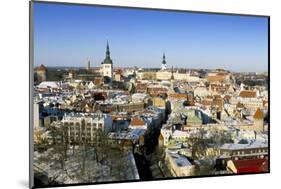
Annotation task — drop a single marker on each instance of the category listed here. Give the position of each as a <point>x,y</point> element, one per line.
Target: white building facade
<point>86,126</point>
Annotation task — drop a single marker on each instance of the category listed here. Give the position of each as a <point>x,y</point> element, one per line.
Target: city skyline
<point>66,36</point>
<point>95,123</point>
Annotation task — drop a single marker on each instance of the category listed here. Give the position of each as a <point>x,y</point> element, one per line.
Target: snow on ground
<point>118,166</point>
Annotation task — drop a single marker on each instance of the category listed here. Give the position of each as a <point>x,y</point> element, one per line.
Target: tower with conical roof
<point>107,64</point>
<point>164,66</point>
<point>258,120</point>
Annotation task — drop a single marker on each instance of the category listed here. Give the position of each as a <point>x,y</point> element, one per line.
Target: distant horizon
<point>68,35</point>
<point>128,67</point>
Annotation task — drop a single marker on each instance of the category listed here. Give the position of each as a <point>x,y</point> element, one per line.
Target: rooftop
<point>251,165</point>
<point>41,68</point>
<point>258,114</point>
<point>247,94</point>
<point>250,145</point>
<point>180,160</point>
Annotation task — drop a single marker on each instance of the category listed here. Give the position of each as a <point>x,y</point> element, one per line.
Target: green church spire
<point>107,50</point>
<point>107,59</point>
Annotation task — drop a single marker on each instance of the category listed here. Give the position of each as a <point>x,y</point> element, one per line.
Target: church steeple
<point>164,59</point>
<point>163,66</point>
<point>107,64</point>
<point>107,59</point>
<point>107,50</point>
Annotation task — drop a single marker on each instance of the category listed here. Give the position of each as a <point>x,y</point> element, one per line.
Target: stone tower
<point>258,120</point>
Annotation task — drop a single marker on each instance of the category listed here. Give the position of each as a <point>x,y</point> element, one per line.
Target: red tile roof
<point>178,96</point>
<point>248,94</point>
<point>251,165</point>
<point>137,122</point>
<point>258,114</point>
<point>216,78</point>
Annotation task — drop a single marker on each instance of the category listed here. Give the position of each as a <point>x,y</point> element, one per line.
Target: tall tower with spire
<point>164,66</point>
<point>107,64</point>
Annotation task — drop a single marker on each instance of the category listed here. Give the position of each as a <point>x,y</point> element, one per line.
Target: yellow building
<point>163,75</point>
<point>150,75</point>
<point>158,102</point>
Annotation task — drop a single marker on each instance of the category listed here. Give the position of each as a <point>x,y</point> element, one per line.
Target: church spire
<point>107,65</point>
<point>107,50</point>
<point>107,59</point>
<point>164,59</point>
<point>163,66</point>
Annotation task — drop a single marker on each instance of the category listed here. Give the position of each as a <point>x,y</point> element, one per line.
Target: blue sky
<point>67,35</point>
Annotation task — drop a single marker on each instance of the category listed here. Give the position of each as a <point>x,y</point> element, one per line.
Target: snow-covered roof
<point>49,84</point>
<point>180,160</point>
<point>178,133</point>
<point>139,95</point>
<point>250,145</point>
